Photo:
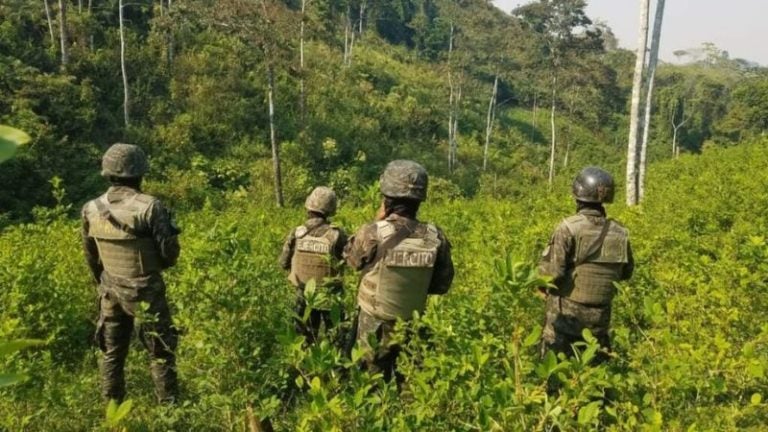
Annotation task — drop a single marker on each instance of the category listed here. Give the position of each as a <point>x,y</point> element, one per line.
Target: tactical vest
<point>126,248</point>
<point>593,276</point>
<point>312,255</point>
<point>397,285</point>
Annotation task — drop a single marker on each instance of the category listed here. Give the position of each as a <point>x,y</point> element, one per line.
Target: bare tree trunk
<point>552,126</point>
<point>351,40</point>
<point>634,116</point>
<point>50,21</point>
<point>273,137</point>
<point>79,6</point>
<point>652,61</point>
<point>126,96</point>
<point>63,32</point>
<point>450,103</point>
<point>455,127</point>
<point>489,120</point>
<point>533,123</point>
<point>90,33</point>
<point>676,127</point>
<point>362,17</point>
<point>302,96</point>
<point>569,135</point>
<point>170,38</point>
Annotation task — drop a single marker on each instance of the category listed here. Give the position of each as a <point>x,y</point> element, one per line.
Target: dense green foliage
<point>691,351</point>
<point>197,74</point>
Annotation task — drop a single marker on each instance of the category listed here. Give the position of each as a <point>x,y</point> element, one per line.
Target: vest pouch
<point>129,258</point>
<point>398,285</point>
<point>311,260</point>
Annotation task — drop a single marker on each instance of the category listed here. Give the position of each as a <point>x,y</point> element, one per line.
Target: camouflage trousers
<point>383,358</point>
<point>118,304</point>
<point>565,321</point>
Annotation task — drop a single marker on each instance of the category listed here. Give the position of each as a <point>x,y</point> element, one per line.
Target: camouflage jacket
<point>558,259</point>
<point>155,223</point>
<point>361,252</point>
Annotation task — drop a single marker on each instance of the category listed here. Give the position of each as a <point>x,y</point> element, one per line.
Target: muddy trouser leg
<point>160,338</point>
<point>114,337</point>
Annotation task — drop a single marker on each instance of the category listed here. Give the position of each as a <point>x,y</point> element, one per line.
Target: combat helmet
<point>593,185</point>
<point>322,200</point>
<point>124,161</point>
<point>404,179</point>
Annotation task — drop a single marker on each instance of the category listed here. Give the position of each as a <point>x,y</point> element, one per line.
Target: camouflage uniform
<point>584,257</point>
<point>128,239</point>
<point>318,228</point>
<point>395,283</point>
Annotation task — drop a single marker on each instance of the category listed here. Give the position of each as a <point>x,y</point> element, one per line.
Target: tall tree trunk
<point>362,17</point>
<point>302,96</point>
<point>634,116</point>
<point>50,21</point>
<point>552,126</point>
<point>351,40</point>
<point>79,6</point>
<point>652,61</point>
<point>273,136</point>
<point>169,36</point>
<point>450,102</point>
<point>90,31</point>
<point>63,33</point>
<point>126,96</point>
<point>569,135</point>
<point>346,37</point>
<point>533,114</point>
<point>489,120</point>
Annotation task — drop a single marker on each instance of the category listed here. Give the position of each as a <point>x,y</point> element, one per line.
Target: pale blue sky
<point>738,26</point>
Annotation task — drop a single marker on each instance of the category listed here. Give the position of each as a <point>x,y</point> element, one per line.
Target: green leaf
<point>588,413</point>
<point>756,399</point>
<point>10,139</point>
<point>116,413</point>
<point>10,347</point>
<point>533,338</point>
<point>11,379</point>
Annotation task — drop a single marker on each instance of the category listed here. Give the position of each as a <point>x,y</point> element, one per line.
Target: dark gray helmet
<point>322,200</point>
<point>593,185</point>
<point>124,161</point>
<point>404,179</point>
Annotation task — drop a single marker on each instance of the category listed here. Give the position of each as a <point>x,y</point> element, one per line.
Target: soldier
<point>128,239</point>
<point>402,261</point>
<point>585,256</point>
<point>314,251</point>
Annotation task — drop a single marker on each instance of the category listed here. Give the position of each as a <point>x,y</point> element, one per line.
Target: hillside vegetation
<point>691,351</point>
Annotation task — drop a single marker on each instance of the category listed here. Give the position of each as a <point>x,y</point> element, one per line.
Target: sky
<point>737,26</point>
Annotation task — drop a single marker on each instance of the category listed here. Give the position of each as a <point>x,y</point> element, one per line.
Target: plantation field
<point>690,334</point>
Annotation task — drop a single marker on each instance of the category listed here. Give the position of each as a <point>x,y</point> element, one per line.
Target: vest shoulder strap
<point>597,244</point>
<point>104,212</point>
<point>389,240</point>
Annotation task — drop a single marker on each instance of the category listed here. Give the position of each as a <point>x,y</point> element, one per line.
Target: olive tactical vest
<point>398,284</point>
<point>312,255</point>
<point>593,276</point>
<point>126,247</point>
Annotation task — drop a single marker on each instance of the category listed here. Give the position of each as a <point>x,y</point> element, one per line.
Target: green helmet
<point>124,161</point>
<point>593,185</point>
<point>322,200</point>
<point>404,179</point>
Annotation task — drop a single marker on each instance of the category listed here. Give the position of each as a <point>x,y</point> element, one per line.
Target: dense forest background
<point>352,85</point>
